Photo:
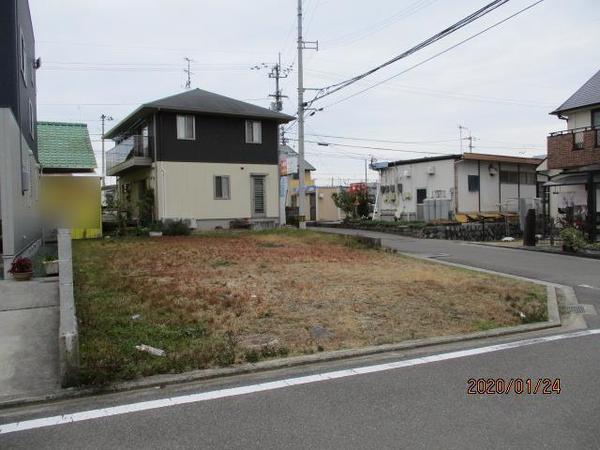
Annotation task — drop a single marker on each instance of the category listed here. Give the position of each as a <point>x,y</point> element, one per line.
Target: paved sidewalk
<point>29,318</point>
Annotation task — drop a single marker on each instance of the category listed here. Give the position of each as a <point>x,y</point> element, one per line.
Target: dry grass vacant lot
<point>223,298</point>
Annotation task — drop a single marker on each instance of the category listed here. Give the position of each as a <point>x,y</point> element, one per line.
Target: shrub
<point>573,239</point>
<point>176,228</point>
<point>354,204</point>
<point>21,265</point>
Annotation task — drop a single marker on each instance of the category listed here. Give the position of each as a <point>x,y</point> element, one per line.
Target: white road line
<point>254,388</point>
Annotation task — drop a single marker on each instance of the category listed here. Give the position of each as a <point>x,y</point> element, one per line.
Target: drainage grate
<point>580,309</point>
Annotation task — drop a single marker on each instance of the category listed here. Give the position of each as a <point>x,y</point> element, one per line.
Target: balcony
<point>131,153</point>
<point>574,148</point>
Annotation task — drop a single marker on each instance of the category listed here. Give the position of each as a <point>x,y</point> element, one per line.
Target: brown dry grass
<point>209,299</point>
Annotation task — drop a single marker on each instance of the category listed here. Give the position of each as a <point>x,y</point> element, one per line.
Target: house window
<point>23,59</point>
<point>578,140</point>
<point>473,182</point>
<point>421,196</point>
<point>596,124</point>
<point>186,127</point>
<point>400,187</point>
<point>258,196</point>
<point>145,141</point>
<point>509,177</point>
<point>528,178</point>
<point>253,132</point>
<point>31,121</point>
<point>222,187</point>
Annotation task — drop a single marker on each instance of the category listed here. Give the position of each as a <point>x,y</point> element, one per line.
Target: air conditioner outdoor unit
<point>431,170</point>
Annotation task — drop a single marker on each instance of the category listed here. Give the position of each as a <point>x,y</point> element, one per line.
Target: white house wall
<point>579,119</point>
<point>21,225</point>
<point>186,191</point>
<point>406,203</point>
<point>492,192</point>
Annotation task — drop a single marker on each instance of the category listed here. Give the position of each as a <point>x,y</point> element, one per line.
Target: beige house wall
<point>186,190</point>
<point>326,209</point>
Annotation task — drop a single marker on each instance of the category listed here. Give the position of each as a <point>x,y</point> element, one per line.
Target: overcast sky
<point>109,56</point>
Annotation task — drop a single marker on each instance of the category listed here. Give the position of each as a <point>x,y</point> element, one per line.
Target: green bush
<point>176,228</point>
<point>573,239</point>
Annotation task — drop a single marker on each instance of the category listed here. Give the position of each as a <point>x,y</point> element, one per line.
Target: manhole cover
<point>581,309</point>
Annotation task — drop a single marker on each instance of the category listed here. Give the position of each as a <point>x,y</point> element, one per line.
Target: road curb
<point>297,361</point>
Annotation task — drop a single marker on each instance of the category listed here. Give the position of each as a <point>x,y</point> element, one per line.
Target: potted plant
<point>155,229</point>
<point>50,265</point>
<point>21,269</point>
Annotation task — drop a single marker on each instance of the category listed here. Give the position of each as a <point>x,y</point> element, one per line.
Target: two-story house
<point>573,163</point>
<point>208,159</point>
<point>20,225</point>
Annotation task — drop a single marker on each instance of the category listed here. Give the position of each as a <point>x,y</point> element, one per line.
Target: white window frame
<point>181,123</point>
<point>224,196</point>
<point>23,58</point>
<point>253,132</point>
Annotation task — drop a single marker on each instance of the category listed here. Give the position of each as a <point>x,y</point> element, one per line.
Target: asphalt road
<point>417,406</point>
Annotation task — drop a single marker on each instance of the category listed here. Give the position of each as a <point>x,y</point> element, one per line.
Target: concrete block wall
<point>68,334</point>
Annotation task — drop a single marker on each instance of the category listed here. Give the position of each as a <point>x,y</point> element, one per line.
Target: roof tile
<point>65,146</point>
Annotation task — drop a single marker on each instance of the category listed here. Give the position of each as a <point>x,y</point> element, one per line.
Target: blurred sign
<point>288,165</point>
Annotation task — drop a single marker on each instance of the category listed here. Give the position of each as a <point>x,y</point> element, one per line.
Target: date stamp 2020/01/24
<point>504,386</point>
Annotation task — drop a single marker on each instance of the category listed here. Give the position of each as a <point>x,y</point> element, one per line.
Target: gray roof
<point>289,151</point>
<point>201,102</point>
<point>586,95</point>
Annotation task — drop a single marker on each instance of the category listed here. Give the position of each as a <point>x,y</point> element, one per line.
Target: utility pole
<point>301,107</point>
<point>278,72</point>
<point>104,118</point>
<point>188,71</point>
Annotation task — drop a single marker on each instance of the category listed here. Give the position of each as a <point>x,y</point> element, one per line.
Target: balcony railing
<point>574,147</point>
<point>131,152</point>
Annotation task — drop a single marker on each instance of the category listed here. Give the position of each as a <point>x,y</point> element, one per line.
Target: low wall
<point>475,231</point>
<point>68,335</point>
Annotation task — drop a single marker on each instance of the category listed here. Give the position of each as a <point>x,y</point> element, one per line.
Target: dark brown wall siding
<point>562,155</point>
<point>218,139</point>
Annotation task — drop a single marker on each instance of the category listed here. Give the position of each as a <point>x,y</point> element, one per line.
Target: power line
<point>455,95</point>
<point>350,38</point>
<point>373,148</point>
<point>436,55</point>
<point>328,90</point>
<point>128,104</point>
<point>433,142</point>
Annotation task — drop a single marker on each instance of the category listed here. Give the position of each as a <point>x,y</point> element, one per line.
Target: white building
<point>462,184</point>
